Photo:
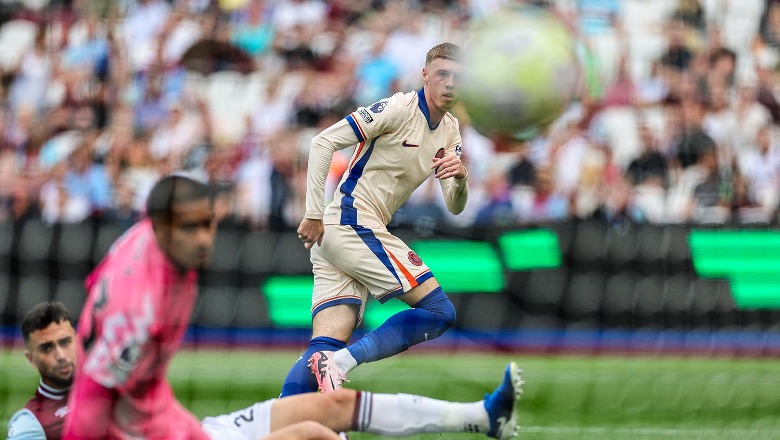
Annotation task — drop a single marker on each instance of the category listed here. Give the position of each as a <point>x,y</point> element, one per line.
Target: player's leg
<point>336,302</point>
<point>430,315</point>
<point>338,321</point>
<point>254,423</point>
<point>307,430</point>
<point>399,415</point>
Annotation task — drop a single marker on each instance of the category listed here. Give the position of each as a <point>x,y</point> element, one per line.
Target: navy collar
<point>423,104</point>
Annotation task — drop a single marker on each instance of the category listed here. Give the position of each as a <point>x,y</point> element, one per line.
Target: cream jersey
<point>396,144</point>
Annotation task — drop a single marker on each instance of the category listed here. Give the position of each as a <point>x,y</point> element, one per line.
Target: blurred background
<point>643,222</point>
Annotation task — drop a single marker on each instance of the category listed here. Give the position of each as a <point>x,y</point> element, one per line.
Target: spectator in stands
<point>58,205</point>
<point>377,75</point>
<point>693,140</point>
<point>544,203</point>
<point>761,168</point>
<point>523,171</point>
<point>253,32</point>
<point>32,76</point>
<point>122,211</point>
<point>650,167</point>
<point>617,206</point>
<point>496,203</point>
<point>87,179</point>
<point>691,13</point>
<point>678,56</point>
<point>711,197</point>
<point>750,114</point>
<point>768,39</point>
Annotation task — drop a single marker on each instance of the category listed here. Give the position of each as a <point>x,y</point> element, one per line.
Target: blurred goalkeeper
<point>50,347</point>
<point>400,142</point>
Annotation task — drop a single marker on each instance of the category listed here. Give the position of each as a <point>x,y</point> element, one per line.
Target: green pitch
<point>565,397</point>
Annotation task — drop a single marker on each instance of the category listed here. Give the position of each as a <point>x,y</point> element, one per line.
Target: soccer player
<point>400,142</point>
<point>311,416</point>
<point>50,346</point>
<point>139,302</point>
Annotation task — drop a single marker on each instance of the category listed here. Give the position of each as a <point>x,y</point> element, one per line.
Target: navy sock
<point>300,379</point>
<point>428,319</point>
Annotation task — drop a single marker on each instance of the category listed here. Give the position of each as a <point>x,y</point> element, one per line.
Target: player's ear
<point>425,75</point>
<point>28,355</point>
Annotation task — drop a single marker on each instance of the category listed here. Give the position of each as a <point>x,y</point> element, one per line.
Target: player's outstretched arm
<point>307,430</point>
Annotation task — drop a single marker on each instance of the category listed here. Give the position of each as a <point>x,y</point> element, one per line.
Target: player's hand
<point>448,166</point>
<point>311,231</point>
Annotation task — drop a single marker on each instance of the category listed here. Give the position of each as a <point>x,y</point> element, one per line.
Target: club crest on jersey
<point>415,259</point>
<point>62,411</point>
<point>365,115</point>
<point>377,107</point>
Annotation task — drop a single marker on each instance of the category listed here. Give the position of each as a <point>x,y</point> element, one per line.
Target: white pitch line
<point>666,432</point>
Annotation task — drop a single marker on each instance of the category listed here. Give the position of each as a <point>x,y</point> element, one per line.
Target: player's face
<point>189,238</point>
<point>52,351</point>
<point>441,77</point>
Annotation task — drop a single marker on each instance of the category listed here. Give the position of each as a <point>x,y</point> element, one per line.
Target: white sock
<point>401,415</point>
<point>344,360</point>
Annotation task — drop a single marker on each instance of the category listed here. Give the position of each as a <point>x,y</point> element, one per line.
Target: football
<point>521,71</point>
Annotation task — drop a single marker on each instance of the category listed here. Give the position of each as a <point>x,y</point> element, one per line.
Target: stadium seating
<point>35,245</point>
<point>224,267</point>
<point>71,292</point>
<point>257,257</point>
<point>33,289</point>
<point>73,249</point>
<point>6,246</point>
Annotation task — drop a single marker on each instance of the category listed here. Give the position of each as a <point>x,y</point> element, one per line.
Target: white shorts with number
<point>354,261</point>
<point>249,423</point>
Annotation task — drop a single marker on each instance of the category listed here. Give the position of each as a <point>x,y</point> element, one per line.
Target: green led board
<point>289,303</point>
<point>532,249</point>
<point>462,265</point>
<point>750,260</point>
<point>376,313</point>
<point>459,266</point>
<point>289,300</point>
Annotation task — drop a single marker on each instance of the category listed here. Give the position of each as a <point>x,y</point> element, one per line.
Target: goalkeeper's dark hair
<point>43,314</point>
<point>449,51</point>
<point>172,190</point>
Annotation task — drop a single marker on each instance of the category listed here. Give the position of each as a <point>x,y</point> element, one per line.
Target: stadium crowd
<point>678,120</point>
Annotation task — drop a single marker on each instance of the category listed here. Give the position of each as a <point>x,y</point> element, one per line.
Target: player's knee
<point>440,306</point>
<point>342,399</point>
<point>448,314</point>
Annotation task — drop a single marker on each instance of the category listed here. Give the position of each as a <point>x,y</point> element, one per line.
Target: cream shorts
<point>354,261</point>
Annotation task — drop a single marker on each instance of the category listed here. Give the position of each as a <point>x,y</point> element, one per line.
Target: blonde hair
<point>449,51</point>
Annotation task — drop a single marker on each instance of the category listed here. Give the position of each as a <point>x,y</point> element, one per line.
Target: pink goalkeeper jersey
<point>132,324</point>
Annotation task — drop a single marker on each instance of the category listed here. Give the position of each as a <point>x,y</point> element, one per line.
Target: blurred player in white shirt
<point>401,141</point>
